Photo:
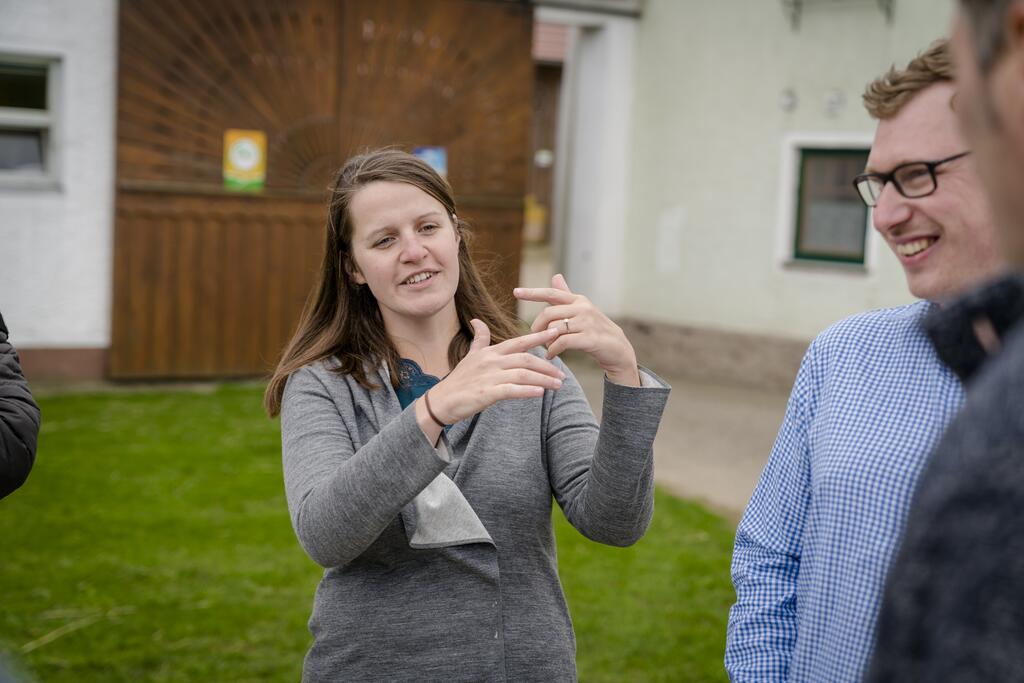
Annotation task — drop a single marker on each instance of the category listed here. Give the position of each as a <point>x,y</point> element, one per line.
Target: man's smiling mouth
<point>916,247</point>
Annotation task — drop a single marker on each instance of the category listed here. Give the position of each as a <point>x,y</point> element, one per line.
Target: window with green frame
<point>831,220</point>
<point>26,117</point>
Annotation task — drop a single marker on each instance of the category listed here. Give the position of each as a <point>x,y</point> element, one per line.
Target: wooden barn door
<point>208,282</point>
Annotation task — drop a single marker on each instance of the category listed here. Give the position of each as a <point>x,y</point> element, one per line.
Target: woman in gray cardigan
<point>426,500</point>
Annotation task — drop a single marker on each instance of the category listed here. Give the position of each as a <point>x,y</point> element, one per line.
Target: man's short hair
<point>886,95</point>
<point>985,18</point>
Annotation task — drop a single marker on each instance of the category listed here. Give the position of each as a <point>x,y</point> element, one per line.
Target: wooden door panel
<point>208,283</point>
<point>210,286</point>
<point>496,246</point>
<point>191,69</point>
<point>453,73</point>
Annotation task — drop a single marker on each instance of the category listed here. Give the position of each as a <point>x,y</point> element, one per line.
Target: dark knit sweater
<point>19,419</point>
<point>954,601</point>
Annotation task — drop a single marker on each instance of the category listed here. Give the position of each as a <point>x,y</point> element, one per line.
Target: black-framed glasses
<point>912,180</point>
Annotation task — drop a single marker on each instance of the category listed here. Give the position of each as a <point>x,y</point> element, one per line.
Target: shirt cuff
<point>648,380</point>
<point>443,450</point>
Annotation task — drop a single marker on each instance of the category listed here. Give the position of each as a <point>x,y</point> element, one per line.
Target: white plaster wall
<point>56,244</point>
<point>593,159</point>
<point>704,221</point>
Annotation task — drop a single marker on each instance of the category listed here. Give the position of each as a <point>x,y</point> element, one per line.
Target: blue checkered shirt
<point>814,545</point>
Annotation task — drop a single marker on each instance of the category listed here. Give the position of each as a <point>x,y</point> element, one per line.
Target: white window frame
<point>789,186</point>
<point>48,122</point>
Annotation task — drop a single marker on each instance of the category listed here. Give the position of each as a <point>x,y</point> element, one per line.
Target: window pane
<point>21,150</point>
<point>832,218</point>
<point>22,86</point>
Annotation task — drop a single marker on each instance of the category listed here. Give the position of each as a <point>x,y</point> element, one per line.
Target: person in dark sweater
<point>954,601</point>
<point>19,420</point>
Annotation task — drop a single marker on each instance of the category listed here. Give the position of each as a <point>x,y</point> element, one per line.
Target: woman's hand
<point>489,374</point>
<point>583,327</point>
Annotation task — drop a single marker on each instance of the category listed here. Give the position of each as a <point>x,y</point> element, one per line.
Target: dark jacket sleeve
<point>19,420</point>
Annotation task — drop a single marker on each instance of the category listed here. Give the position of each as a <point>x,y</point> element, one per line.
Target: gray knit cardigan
<point>440,563</point>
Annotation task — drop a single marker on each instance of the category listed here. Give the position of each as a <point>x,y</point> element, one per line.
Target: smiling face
<point>405,248</point>
<point>945,241</point>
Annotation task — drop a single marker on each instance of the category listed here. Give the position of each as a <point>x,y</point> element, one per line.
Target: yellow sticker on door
<point>245,159</point>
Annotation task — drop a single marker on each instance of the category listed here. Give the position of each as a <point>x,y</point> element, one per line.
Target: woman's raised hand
<point>581,326</point>
<point>489,374</point>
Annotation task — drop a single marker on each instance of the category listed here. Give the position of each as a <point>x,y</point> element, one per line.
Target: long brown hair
<point>342,319</point>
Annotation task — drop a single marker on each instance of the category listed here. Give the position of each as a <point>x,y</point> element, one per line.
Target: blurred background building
<point>686,164</point>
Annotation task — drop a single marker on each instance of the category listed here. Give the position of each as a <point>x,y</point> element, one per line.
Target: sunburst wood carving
<point>209,283</point>
<point>442,73</point>
<point>325,79</point>
<point>190,70</point>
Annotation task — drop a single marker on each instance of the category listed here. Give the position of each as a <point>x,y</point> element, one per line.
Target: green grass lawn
<point>152,543</point>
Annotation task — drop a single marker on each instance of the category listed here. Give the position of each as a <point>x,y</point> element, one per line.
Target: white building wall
<point>56,244</point>
<point>593,157</point>
<point>677,207</point>
<point>707,223</point>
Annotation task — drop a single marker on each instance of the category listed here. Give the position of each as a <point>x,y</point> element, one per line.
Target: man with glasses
<point>954,601</point>
<point>869,403</point>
